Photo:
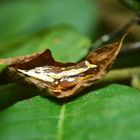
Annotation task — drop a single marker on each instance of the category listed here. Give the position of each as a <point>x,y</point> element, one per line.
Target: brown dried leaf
<point>61,79</point>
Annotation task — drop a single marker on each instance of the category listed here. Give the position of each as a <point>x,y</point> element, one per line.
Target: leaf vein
<point>61,123</point>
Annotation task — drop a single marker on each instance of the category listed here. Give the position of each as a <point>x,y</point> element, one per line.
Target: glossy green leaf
<point>19,19</point>
<point>2,67</point>
<point>108,113</point>
<point>64,42</point>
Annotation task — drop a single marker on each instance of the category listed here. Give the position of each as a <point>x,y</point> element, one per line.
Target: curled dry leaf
<point>60,79</point>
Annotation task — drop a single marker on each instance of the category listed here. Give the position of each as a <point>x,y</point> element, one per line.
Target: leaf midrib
<point>59,135</point>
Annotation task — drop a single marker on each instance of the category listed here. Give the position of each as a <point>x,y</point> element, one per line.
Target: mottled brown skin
<point>102,57</point>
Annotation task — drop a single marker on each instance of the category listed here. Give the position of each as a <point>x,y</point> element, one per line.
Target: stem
<point>107,37</point>
<point>136,81</point>
<point>121,74</point>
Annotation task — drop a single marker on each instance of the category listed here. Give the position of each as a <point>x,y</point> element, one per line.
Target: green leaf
<point>11,93</point>
<point>109,113</point>
<point>64,42</point>
<point>2,67</point>
<point>20,18</point>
